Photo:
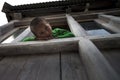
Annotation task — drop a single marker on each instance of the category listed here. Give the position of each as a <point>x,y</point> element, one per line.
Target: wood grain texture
<point>75,27</point>
<point>57,45</point>
<point>72,67</point>
<point>109,22</point>
<point>113,56</point>
<point>108,26</point>
<point>38,47</point>
<point>110,19</point>
<point>79,16</point>
<point>108,42</point>
<point>6,28</point>
<point>24,34</point>
<point>3,37</point>
<point>98,68</point>
<point>105,18</point>
<point>10,67</point>
<point>41,67</point>
<point>30,67</point>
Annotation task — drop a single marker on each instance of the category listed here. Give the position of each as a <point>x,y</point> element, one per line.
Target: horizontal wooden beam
<point>105,18</point>
<point>98,68</point>
<point>55,45</point>
<point>109,18</point>
<point>106,42</point>
<point>79,16</point>
<point>109,22</point>
<point>20,23</point>
<point>38,47</point>
<point>107,26</point>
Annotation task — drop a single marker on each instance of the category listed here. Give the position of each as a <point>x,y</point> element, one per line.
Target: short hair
<point>36,21</point>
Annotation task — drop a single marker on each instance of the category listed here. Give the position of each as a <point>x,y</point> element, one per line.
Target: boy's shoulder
<point>56,32</point>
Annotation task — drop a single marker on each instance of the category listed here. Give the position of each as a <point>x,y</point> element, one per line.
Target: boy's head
<point>41,29</point>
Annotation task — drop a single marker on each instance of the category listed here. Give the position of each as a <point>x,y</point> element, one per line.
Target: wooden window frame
<point>63,19</point>
<point>86,45</point>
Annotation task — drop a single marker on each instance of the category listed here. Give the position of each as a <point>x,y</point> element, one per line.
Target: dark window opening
<point>92,28</point>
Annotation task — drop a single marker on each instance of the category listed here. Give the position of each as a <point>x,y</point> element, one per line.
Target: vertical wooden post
<point>24,34</point>
<point>97,66</point>
<point>75,27</point>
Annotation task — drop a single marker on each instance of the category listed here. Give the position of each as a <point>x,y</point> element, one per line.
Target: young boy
<point>43,31</point>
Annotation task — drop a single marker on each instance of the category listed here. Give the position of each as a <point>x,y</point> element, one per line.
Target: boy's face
<point>43,31</point>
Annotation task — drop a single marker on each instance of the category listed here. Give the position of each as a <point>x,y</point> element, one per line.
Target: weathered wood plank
<point>79,14</point>
<point>4,65</point>
<point>105,18</point>
<point>75,27</point>
<point>109,22</point>
<point>6,28</point>
<point>38,47</point>
<point>54,20</point>
<point>3,37</point>
<point>110,41</point>
<point>109,19</point>
<point>115,21</point>
<point>108,11</point>
<point>45,46</point>
<point>113,56</point>
<point>10,67</point>
<point>33,67</point>
<point>97,66</point>
<point>1,58</point>
<point>108,26</point>
<point>103,37</point>
<point>24,34</point>
<point>41,67</point>
<point>72,67</point>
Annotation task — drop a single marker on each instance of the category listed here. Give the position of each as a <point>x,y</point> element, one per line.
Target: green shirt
<point>57,33</point>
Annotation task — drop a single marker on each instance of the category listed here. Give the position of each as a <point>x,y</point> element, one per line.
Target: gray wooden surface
<point>58,66</point>
<point>3,37</point>
<point>37,47</point>
<point>75,27</point>
<point>72,67</point>
<point>65,66</point>
<point>89,63</point>
<point>98,68</point>
<point>109,22</point>
<point>30,67</point>
<point>108,26</point>
<point>113,57</point>
<point>25,33</point>
<point>41,67</point>
<point>10,67</point>
<point>66,44</point>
